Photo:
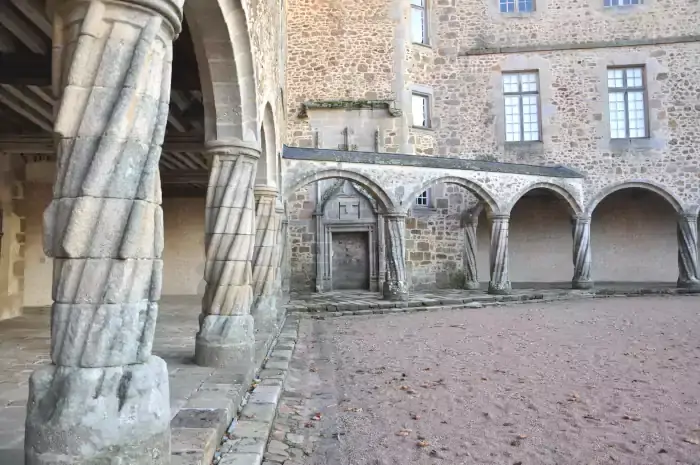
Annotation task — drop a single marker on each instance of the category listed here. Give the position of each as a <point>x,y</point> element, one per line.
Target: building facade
<point>603,87</point>
<point>237,150</point>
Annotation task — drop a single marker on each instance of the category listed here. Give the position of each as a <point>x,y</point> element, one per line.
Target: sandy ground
<point>605,381</point>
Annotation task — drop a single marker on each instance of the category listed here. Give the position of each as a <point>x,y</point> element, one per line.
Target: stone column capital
<point>687,216</point>
<point>499,217</point>
<point>263,190</point>
<point>232,148</point>
<point>395,216</point>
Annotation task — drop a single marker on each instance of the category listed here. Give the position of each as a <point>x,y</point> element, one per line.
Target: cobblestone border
<point>245,440</point>
<point>321,312</point>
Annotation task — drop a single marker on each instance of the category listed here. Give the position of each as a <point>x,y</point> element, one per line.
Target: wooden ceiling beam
<point>21,30</point>
<point>43,143</point>
<point>38,105</point>
<point>34,10</point>
<point>20,108</point>
<point>39,92</point>
<point>7,42</point>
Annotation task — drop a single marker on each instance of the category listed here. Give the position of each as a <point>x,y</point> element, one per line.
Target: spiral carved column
<point>226,337</point>
<point>469,222</point>
<point>395,285</point>
<point>499,283</point>
<point>281,257</point>
<point>688,272</point>
<point>106,397</point>
<point>581,231</point>
<point>265,260</point>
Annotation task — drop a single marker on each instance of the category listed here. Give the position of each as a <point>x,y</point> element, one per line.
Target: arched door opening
<point>633,238</point>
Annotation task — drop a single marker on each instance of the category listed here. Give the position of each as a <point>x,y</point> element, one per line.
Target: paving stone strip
<point>246,437</point>
<point>322,311</point>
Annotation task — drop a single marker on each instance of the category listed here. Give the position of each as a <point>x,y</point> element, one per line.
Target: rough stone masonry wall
<point>336,51</point>
<point>468,104</point>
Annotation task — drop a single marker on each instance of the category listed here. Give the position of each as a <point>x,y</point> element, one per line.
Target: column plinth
<point>581,232</point>
<point>226,335</point>
<point>500,282</point>
<point>395,285</point>
<point>105,398</point>
<point>688,252</point>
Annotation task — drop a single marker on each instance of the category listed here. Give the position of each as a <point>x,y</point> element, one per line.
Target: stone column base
<point>471,285</point>
<point>395,290</point>
<point>226,341</point>
<point>499,288</point>
<point>265,315</point>
<point>692,284</point>
<point>95,416</point>
<point>580,284</point>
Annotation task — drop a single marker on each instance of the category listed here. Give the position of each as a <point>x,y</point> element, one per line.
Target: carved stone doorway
<point>350,260</point>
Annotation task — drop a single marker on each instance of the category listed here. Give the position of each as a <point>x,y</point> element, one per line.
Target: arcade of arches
<point>126,176</point>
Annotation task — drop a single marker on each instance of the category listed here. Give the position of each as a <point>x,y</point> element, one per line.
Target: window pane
<point>510,83</point>
<point>420,3</point>
<point>418,33</point>
<point>420,110</point>
<point>529,82</point>
<point>616,107</point>
<point>422,199</point>
<point>634,77</point>
<point>512,107</point>
<point>635,114</point>
<point>507,6</point>
<point>615,78</point>
<point>526,5</point>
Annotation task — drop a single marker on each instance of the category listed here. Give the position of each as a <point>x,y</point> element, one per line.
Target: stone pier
<point>105,398</point>
<point>581,232</point>
<point>469,222</point>
<point>688,251</point>
<point>226,336</point>
<point>395,286</point>
<point>498,258</point>
<point>265,261</point>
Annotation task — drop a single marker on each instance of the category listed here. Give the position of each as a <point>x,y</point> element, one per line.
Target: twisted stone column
<point>581,231</point>
<point>499,284</point>
<point>285,265</point>
<point>225,337</point>
<point>265,260</point>
<point>688,272</point>
<point>395,285</point>
<point>281,258</point>
<point>105,398</point>
<point>469,222</point>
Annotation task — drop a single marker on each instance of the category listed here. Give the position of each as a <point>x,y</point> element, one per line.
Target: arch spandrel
<point>662,191</point>
<point>565,192</point>
<point>473,186</point>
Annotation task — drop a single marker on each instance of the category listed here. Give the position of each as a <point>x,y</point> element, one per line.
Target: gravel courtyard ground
<point>601,381</point>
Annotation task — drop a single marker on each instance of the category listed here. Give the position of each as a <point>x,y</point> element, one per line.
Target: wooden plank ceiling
<point>27,103</point>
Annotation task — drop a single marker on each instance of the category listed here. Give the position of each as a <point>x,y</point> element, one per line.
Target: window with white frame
<point>420,108</point>
<point>512,6</point>
<point>522,115</point>
<point>622,2</point>
<point>626,103</point>
<point>419,22</point>
<point>422,199</point>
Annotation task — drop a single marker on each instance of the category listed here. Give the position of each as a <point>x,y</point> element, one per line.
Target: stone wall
<point>13,240</point>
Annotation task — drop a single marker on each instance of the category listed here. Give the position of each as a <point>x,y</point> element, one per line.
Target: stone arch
<point>383,200</point>
<point>559,191</point>
<point>646,185</point>
<point>267,166</point>
<point>222,46</point>
<point>470,185</point>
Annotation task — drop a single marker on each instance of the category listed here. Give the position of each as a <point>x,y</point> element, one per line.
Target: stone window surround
<point>599,107</point>
<point>520,93</point>
<point>425,91</point>
<point>426,24</point>
<point>645,101</point>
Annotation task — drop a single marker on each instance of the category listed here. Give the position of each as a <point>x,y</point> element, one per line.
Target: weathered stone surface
<point>395,286</point>
<point>265,261</point>
<point>469,221</point>
<point>689,273</point>
<point>499,283</point>
<point>226,341</point>
<point>582,253</point>
<point>99,415</point>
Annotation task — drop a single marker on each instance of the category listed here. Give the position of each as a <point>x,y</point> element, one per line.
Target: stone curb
<point>245,440</point>
<point>383,308</point>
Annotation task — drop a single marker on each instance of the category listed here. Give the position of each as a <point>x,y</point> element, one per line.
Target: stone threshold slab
<point>381,308</point>
<point>246,437</point>
<point>198,426</point>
